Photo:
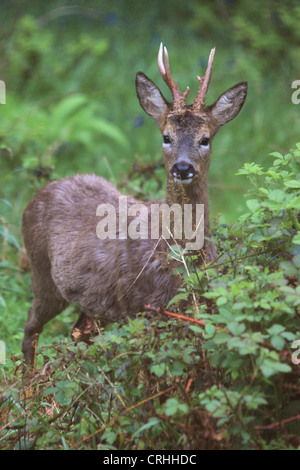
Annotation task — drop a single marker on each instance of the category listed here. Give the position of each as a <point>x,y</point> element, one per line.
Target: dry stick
<point>198,322</point>
<point>126,411</point>
<point>278,423</point>
<point>179,316</point>
<point>188,386</point>
<point>112,386</point>
<point>183,262</point>
<point>35,343</point>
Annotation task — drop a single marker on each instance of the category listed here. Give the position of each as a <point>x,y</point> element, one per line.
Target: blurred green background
<point>70,94</point>
<point>71,104</point>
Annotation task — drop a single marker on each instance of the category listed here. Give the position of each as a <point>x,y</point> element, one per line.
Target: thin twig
<point>278,423</point>
<point>185,266</point>
<point>112,386</point>
<point>85,438</point>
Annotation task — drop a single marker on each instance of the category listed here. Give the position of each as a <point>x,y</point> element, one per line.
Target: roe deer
<point>115,278</point>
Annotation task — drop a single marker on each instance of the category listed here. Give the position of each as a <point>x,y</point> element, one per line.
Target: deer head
<point>187,130</point>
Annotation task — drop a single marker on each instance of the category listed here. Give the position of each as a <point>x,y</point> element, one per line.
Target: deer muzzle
<point>183,172</point>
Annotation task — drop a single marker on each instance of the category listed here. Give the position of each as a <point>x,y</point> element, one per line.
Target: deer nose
<point>183,172</point>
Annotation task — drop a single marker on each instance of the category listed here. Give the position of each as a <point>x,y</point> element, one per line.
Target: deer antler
<point>204,82</point>
<point>178,97</point>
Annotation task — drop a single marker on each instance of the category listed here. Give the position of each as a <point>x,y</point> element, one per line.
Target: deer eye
<point>204,141</point>
<point>166,139</point>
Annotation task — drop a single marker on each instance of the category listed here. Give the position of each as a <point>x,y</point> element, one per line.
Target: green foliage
<point>271,34</point>
<point>256,301</point>
<point>29,64</point>
<point>228,382</point>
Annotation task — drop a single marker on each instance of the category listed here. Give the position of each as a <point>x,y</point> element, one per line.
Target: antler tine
<point>204,82</point>
<point>164,68</point>
<point>160,60</point>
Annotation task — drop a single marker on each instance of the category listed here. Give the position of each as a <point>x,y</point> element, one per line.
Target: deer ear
<point>229,104</point>
<point>150,97</point>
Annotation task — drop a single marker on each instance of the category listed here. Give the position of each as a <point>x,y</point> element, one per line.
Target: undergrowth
<point>223,374</point>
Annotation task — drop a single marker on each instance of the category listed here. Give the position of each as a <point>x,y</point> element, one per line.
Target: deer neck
<point>194,194</point>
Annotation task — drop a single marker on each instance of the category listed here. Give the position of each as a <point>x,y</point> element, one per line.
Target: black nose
<point>183,171</point>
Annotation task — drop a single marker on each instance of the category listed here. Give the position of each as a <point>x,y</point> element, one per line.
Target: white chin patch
<point>180,181</point>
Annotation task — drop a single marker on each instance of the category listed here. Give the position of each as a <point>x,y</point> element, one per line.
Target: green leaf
<point>10,238</point>
<point>277,195</point>
<point>276,154</point>
<point>110,130</point>
<point>181,296</point>
<point>236,328</point>
<point>211,295</point>
<point>221,337</point>
<point>158,369</point>
<point>66,447</point>
<point>250,168</point>
<point>253,204</point>
<point>173,406</point>
<point>177,368</point>
<point>276,329</point>
<point>196,329</point>
<point>64,390</point>
<point>289,268</point>
<point>152,422</point>
<point>296,239</point>
<point>109,436</point>
<point>296,260</point>
<point>270,367</point>
<point>278,342</point>
<point>221,301</point>
<point>68,107</point>
<point>210,329</point>
<point>24,444</point>
<point>292,183</point>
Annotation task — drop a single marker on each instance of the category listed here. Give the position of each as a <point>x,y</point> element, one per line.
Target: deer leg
<point>41,311</point>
